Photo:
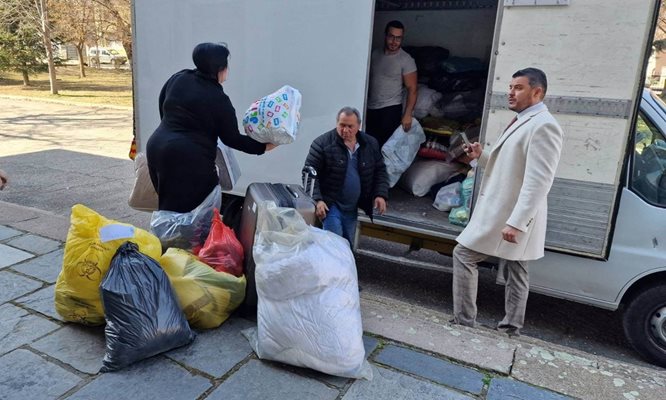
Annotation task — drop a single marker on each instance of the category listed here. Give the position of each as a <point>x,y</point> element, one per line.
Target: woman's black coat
<point>181,152</point>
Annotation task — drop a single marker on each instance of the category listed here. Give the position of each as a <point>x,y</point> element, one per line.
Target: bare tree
<point>35,14</point>
<point>73,23</point>
<point>117,17</point>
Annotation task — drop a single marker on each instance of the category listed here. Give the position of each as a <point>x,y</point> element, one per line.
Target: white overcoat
<point>519,171</point>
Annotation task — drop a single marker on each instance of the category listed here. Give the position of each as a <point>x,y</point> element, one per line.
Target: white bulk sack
<point>400,150</point>
<point>423,174</point>
<point>448,197</point>
<point>308,311</point>
<point>274,118</point>
<point>426,99</point>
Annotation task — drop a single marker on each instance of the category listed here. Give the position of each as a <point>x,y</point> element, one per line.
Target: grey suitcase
<point>292,196</point>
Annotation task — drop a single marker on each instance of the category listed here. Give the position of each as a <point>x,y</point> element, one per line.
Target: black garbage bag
<point>428,59</point>
<point>446,82</point>
<point>143,317</point>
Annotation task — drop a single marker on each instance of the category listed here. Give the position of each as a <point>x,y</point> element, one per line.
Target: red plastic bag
<point>436,154</point>
<point>222,250</point>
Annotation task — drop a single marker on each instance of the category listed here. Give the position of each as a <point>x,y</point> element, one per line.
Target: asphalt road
<point>58,155</point>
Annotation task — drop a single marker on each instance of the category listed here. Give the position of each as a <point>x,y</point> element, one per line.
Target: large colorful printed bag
<point>274,118</point>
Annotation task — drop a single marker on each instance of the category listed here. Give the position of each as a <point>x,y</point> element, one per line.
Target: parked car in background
<point>106,56</point>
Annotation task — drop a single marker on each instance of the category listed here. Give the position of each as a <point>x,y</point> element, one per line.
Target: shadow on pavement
<point>55,180</point>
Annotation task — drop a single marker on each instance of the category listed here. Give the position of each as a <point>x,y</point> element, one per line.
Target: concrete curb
<point>533,361</point>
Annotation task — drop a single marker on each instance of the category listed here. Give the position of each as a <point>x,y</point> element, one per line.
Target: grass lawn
<point>100,86</point>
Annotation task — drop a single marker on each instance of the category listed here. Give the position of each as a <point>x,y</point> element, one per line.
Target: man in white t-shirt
<point>392,70</point>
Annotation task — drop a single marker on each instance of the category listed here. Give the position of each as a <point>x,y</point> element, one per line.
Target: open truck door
<point>320,47</point>
<point>594,54</point>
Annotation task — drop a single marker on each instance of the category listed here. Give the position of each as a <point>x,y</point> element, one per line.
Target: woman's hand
<point>270,146</point>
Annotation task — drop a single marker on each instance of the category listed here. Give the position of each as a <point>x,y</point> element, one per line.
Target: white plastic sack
<point>228,169</point>
<point>423,174</point>
<point>308,313</point>
<point>274,118</point>
<point>143,196</point>
<point>426,99</point>
<point>448,197</point>
<point>400,150</point>
<point>187,231</point>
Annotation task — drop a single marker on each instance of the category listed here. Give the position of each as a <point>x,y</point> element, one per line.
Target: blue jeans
<point>342,223</point>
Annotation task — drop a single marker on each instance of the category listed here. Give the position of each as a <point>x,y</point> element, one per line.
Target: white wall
<point>466,33</point>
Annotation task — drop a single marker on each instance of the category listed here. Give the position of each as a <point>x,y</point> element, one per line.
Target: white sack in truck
<point>308,311</point>
<point>423,174</point>
<point>400,150</point>
<point>425,101</point>
<point>274,118</point>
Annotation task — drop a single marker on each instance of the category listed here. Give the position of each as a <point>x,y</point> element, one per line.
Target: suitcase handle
<point>309,176</point>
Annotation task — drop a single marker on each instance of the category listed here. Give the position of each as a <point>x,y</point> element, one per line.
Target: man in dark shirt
<point>350,174</point>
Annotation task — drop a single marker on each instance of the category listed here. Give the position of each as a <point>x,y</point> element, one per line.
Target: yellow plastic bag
<point>206,296</point>
<point>91,243</point>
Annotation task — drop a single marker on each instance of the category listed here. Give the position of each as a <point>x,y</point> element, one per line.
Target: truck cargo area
<point>451,42</point>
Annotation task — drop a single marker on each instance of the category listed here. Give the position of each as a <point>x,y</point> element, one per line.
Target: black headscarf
<point>210,58</point>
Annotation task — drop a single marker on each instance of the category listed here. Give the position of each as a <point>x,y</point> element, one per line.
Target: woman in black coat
<point>195,111</point>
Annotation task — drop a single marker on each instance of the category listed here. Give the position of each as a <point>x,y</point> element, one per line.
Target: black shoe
<point>453,321</point>
<point>491,327</point>
<point>513,332</point>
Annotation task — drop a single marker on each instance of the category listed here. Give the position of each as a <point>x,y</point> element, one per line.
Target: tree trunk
<point>46,34</point>
<point>127,45</point>
<point>82,68</point>
<point>26,78</point>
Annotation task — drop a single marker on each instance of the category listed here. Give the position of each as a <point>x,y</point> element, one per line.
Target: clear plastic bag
<point>448,197</point>
<point>143,317</point>
<point>460,215</point>
<point>308,312</point>
<point>274,118</point>
<point>400,150</point>
<point>189,230</point>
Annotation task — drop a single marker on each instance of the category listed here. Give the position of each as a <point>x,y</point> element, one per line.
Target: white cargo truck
<point>606,237</point>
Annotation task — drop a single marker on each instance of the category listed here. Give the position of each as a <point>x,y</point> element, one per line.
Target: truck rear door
<point>320,47</point>
<point>593,53</point>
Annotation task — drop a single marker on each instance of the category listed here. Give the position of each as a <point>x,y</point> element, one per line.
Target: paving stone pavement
<point>41,357</point>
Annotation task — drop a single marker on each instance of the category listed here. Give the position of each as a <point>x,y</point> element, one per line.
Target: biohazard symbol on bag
<point>92,241</point>
<point>89,270</point>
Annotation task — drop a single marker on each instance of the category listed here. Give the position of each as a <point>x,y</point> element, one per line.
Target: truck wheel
<point>644,323</point>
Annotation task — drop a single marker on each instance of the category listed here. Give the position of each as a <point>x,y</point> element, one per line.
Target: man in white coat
<point>509,219</point>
